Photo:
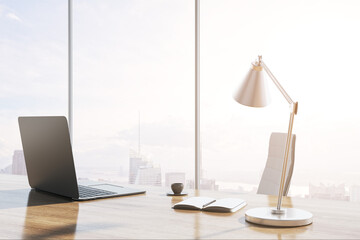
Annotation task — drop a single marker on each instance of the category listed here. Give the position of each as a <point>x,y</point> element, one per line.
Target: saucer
<point>173,194</point>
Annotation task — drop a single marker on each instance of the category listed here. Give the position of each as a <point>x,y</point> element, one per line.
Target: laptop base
<point>94,190</point>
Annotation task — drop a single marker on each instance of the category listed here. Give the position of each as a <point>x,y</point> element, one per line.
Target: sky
<point>138,56</point>
<point>311,47</point>
<point>32,66</point>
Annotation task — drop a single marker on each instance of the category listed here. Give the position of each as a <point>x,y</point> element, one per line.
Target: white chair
<point>271,177</point>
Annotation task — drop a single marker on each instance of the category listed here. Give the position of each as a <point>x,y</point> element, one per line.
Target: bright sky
<point>132,56</point>
<point>33,66</point>
<point>312,48</point>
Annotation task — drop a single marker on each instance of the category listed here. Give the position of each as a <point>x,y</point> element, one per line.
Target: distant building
<point>6,170</point>
<point>135,164</point>
<point>190,184</point>
<point>355,193</point>
<point>149,176</point>
<point>208,184</point>
<point>174,177</point>
<point>328,192</point>
<point>18,163</point>
<point>18,166</point>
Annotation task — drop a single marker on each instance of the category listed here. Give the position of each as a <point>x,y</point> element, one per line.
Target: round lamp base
<point>292,217</point>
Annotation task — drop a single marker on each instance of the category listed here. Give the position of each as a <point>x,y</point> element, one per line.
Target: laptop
<point>50,164</point>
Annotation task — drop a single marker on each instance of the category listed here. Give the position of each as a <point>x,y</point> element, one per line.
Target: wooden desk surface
<point>31,214</point>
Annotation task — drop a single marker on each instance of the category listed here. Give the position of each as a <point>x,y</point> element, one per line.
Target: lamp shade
<point>253,91</point>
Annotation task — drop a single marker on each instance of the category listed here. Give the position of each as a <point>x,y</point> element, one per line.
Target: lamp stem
<point>286,156</point>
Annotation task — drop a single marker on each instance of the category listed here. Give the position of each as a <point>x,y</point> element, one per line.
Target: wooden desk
<point>32,214</point>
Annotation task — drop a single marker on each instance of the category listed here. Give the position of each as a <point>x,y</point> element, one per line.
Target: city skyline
<point>144,173</point>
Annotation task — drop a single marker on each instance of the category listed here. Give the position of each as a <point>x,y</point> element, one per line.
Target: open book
<point>211,204</point>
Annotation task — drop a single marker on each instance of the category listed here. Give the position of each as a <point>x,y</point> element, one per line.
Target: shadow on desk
<point>28,197</point>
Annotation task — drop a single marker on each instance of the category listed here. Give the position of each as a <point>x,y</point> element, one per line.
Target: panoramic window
<point>33,70</point>
<point>312,48</point>
<point>134,91</point>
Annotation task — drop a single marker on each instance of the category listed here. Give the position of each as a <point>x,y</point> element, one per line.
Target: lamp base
<point>292,217</point>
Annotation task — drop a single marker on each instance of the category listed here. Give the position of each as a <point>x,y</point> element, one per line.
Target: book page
<point>226,205</point>
<point>194,203</point>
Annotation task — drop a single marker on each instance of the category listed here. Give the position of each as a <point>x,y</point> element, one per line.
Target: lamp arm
<point>294,106</point>
<point>277,84</point>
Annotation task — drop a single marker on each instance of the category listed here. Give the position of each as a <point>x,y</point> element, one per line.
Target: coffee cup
<point>177,188</point>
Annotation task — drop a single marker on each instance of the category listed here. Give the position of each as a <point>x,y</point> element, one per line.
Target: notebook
<point>211,204</point>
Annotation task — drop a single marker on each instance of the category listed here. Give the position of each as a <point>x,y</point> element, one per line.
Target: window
<point>33,70</point>
<point>312,48</point>
<point>134,91</point>
<point>134,88</point>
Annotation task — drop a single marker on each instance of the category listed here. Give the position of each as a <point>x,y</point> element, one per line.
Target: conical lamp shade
<point>253,91</point>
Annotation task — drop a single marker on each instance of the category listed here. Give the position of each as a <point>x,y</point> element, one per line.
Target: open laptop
<point>50,164</point>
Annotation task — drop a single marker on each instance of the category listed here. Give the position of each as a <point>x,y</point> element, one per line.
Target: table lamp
<point>253,92</point>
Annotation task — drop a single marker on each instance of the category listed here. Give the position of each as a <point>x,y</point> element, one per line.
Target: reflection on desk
<point>48,216</point>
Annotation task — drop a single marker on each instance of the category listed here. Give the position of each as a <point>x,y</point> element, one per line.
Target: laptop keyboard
<point>88,192</point>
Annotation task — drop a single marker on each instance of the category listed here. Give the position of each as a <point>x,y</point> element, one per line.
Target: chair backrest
<point>271,177</point>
